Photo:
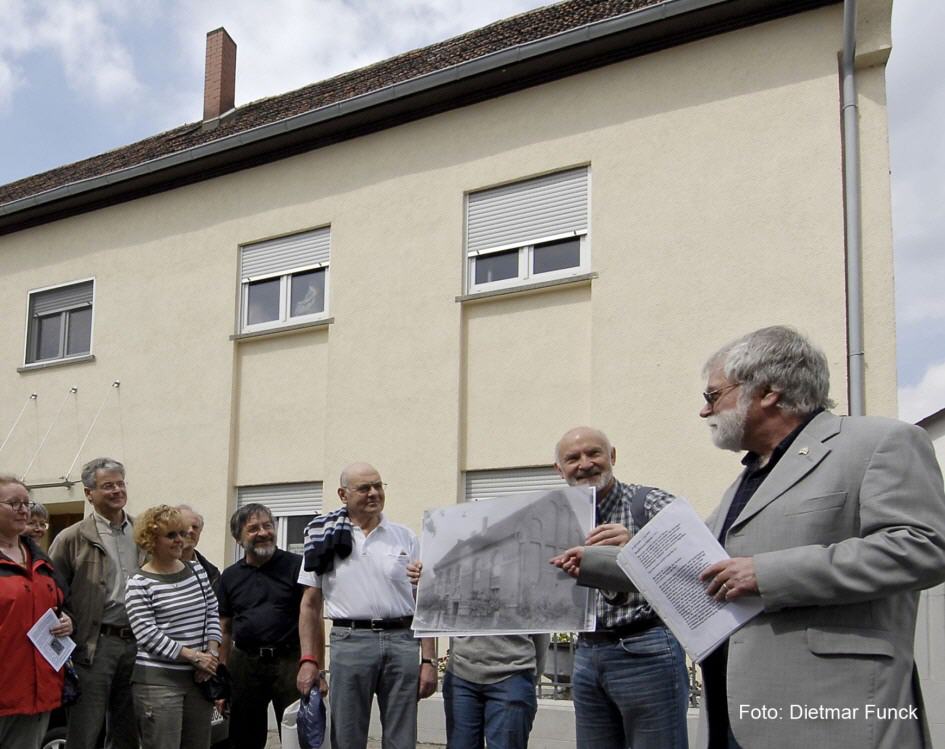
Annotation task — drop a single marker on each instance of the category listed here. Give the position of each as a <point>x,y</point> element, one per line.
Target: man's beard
<point>600,482</point>
<point>728,428</point>
<point>261,550</point>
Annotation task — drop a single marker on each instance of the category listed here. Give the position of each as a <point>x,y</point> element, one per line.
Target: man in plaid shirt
<point>630,685</point>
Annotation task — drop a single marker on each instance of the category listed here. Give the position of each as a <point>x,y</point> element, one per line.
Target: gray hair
<point>781,359</point>
<point>191,509</point>
<point>239,518</point>
<point>99,464</point>
<point>39,509</point>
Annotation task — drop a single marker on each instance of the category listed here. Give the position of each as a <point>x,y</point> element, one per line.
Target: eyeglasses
<point>173,535</point>
<point>112,486</point>
<point>18,504</point>
<point>713,396</point>
<point>39,524</point>
<point>378,486</point>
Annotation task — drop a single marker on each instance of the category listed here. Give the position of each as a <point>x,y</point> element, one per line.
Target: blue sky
<point>79,77</point>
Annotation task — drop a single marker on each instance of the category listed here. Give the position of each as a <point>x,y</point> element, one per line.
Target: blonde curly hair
<point>155,522</point>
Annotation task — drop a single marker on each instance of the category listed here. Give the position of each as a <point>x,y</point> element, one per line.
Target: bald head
<point>353,469</point>
<point>578,433</point>
<point>362,492</point>
<point>585,457</point>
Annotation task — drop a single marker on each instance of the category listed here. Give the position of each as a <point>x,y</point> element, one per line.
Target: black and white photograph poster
<point>486,570</point>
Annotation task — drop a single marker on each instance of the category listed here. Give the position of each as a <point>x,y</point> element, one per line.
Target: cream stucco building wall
<point>716,207</point>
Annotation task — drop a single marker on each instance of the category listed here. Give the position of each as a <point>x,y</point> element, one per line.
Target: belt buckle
<point>125,633</point>
<point>267,652</point>
<point>377,625</point>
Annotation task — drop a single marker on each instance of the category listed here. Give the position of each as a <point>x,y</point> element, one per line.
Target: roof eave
<point>668,24</point>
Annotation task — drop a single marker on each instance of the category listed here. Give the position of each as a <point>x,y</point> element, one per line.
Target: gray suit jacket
<point>844,532</point>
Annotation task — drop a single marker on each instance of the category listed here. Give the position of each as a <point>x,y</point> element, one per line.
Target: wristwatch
<point>427,660</point>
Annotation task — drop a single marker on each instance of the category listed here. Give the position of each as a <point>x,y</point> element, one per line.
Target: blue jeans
<point>365,663</point>
<point>631,693</point>
<point>501,713</point>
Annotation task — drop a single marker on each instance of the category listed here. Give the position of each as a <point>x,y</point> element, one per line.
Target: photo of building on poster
<point>486,570</point>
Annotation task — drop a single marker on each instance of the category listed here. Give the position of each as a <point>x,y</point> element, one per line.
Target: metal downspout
<point>856,375</point>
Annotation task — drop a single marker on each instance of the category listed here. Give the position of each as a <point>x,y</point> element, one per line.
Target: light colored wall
<point>716,208</point>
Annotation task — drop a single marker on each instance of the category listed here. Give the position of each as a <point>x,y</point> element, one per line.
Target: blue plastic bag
<point>310,722</point>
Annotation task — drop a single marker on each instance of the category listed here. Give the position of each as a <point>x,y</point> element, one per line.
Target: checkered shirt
<point>615,508</point>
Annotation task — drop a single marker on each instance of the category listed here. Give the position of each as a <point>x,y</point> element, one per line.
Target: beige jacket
<point>78,554</point>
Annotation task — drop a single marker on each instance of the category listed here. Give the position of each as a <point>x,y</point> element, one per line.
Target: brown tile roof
<point>520,29</point>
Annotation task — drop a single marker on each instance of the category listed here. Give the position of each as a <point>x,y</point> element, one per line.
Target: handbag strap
<point>206,644</point>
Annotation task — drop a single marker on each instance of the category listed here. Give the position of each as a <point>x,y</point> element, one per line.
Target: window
<point>284,281</point>
<point>60,322</point>
<point>292,507</point>
<point>530,231</point>
<point>489,484</point>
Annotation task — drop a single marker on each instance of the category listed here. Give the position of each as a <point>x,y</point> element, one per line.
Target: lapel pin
<point>803,451</point>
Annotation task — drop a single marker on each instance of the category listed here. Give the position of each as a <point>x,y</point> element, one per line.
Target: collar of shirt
<point>384,523</point>
<point>105,525</point>
<point>750,461</point>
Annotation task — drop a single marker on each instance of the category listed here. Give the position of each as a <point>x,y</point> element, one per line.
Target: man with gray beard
<point>259,615</point>
<point>834,523</point>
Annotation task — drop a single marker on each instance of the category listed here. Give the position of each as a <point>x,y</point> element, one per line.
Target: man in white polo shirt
<point>370,599</point>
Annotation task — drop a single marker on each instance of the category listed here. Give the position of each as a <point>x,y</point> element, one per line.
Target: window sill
<point>55,363</point>
<point>526,288</point>
<point>286,330</point>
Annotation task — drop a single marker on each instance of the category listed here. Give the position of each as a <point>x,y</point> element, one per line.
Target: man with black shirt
<point>259,614</point>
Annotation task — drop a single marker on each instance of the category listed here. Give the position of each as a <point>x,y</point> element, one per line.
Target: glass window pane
<point>295,532</point>
<point>79,333</point>
<point>263,301</point>
<point>308,293</point>
<point>47,336</point>
<point>496,267</point>
<point>565,253</point>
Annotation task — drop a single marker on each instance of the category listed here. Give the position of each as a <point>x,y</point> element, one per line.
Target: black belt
<point>270,651</point>
<point>402,622</point>
<point>112,630</point>
<point>618,633</point>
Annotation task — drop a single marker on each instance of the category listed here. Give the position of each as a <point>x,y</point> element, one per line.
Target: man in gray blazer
<point>836,523</point>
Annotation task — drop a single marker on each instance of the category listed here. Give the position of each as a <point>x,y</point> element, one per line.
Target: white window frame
<point>32,330</point>
<point>285,299</point>
<point>285,291</point>
<point>499,203</point>
<point>526,263</point>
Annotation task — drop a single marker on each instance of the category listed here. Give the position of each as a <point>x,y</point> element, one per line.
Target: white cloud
<point>916,109</point>
<point>10,80</point>
<point>84,35</point>
<point>925,398</point>
<point>87,42</point>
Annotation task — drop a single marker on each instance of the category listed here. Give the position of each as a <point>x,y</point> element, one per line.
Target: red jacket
<point>25,595</point>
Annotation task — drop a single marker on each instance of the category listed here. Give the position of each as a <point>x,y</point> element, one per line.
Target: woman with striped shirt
<point>173,613</point>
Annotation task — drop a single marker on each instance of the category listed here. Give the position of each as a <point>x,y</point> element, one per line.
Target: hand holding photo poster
<point>486,571</point>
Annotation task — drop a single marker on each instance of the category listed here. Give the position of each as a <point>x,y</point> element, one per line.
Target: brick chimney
<point>219,88</point>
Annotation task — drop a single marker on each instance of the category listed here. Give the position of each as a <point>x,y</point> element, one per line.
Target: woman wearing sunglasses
<point>173,614</point>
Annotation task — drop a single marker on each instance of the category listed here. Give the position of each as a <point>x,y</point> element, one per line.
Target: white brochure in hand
<point>54,649</point>
<point>664,560</point>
